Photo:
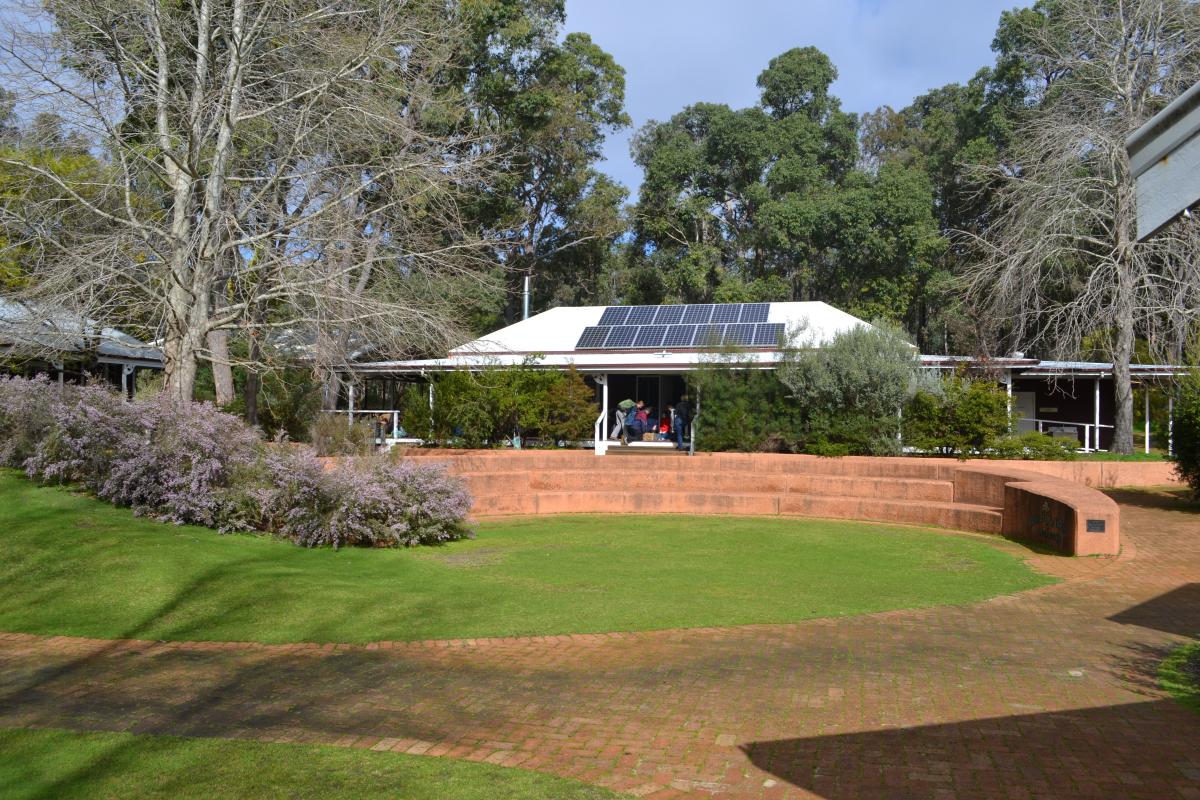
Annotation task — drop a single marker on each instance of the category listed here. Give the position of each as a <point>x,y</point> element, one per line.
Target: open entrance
<point>659,391</point>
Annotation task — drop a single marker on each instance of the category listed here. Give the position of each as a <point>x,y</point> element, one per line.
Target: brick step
<point>960,516</point>
<point>740,463</point>
<point>714,482</point>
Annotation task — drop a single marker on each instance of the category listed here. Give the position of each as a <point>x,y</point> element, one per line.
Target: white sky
<point>678,52</point>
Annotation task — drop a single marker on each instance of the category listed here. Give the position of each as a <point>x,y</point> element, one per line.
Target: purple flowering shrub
<point>381,505</point>
<point>25,417</point>
<point>190,463</point>
<point>163,459</point>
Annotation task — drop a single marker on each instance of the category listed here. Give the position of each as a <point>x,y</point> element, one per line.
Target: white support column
<point>431,407</point>
<point>1146,409</point>
<point>60,369</point>
<point>601,431</point>
<point>126,372</point>
<point>1096,414</point>
<point>1008,394</point>
<point>350,406</point>
<point>1170,424</point>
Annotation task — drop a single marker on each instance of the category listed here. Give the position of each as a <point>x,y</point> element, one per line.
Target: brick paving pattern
<point>1047,694</point>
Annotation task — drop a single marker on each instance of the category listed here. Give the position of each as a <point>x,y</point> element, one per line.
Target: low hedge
<point>189,463</point>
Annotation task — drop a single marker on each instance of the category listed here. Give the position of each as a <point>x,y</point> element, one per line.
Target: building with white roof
<point>646,352</point>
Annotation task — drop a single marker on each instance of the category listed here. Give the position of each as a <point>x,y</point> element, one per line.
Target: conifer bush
<point>191,463</point>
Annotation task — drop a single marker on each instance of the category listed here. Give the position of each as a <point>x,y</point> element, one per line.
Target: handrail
<point>393,412</point>
<point>1091,440</point>
<point>598,432</point>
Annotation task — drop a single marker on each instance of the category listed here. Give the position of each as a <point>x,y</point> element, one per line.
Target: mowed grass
<point>1179,674</point>
<point>75,566</point>
<point>62,765</point>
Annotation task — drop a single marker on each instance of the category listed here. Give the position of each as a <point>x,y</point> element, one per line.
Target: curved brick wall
<point>1031,501</point>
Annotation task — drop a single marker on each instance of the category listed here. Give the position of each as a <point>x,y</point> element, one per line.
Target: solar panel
<point>697,314</point>
<point>650,336</point>
<point>726,313</point>
<point>768,334</point>
<point>754,312</point>
<point>741,334</point>
<point>679,336</point>
<point>614,315</point>
<point>621,336</point>
<point>641,315</point>
<point>708,335</point>
<point>668,315</point>
<point>592,337</point>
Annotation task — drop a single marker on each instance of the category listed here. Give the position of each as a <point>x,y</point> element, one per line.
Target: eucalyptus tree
<point>1058,260</point>
<point>235,184</point>
<point>769,203</point>
<point>552,100</point>
<point>945,134</point>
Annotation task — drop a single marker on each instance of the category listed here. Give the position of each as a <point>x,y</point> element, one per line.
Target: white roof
<point>551,337</point>
<point>557,330</point>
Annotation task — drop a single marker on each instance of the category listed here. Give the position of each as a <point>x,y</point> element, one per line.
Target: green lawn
<point>1154,455</point>
<point>78,567</point>
<point>1179,674</point>
<point>119,766</point>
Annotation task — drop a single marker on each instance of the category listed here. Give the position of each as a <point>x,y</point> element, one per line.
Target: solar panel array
<point>701,325</point>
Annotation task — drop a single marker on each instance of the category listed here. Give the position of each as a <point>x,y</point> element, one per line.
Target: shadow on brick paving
<point>1135,751</point>
<point>1176,611</point>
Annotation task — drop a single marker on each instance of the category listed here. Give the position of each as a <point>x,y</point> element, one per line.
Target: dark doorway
<point>658,391</point>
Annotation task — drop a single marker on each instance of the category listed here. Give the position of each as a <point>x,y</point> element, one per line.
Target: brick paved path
<point>1046,694</point>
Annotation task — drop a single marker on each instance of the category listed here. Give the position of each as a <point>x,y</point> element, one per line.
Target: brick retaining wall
<point>1050,503</point>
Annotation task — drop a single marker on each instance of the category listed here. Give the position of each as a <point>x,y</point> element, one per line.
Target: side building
<point>68,348</point>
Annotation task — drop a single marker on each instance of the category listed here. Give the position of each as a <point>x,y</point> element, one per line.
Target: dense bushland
<point>190,463</point>
<point>490,406</point>
<point>864,393</point>
<point>842,398</point>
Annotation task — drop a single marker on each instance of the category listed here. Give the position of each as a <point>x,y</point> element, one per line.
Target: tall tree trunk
<point>179,359</point>
<point>330,390</point>
<point>1122,382</point>
<point>218,348</point>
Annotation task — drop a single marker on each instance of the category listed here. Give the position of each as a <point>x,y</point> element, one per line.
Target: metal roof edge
<point>1144,151</point>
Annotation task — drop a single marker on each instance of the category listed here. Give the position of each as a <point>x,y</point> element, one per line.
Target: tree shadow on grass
<point>1141,750</point>
<point>261,692</point>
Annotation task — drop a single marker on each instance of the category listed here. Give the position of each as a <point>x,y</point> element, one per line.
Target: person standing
<point>683,420</point>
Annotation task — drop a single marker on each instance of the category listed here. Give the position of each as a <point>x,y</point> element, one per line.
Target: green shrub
<point>745,410</point>
<point>486,407</point>
<point>1033,446</point>
<point>967,417</point>
<point>838,399</point>
<point>334,435</point>
<point>1187,433</point>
